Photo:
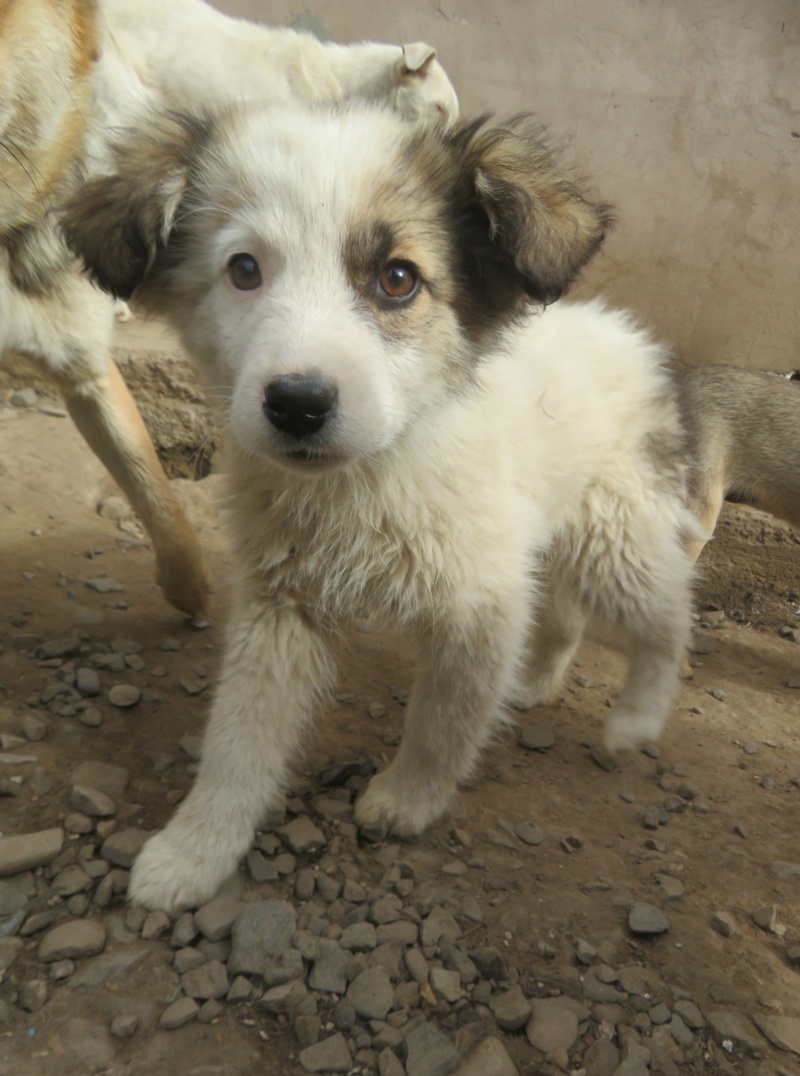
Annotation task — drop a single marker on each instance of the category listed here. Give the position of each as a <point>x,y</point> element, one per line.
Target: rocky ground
<point>564,918</point>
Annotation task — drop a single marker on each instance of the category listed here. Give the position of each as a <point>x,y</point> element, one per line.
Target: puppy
<point>71,70</point>
<point>412,434</point>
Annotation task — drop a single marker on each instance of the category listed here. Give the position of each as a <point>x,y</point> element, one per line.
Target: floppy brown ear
<point>417,57</point>
<point>118,223</point>
<point>536,216</point>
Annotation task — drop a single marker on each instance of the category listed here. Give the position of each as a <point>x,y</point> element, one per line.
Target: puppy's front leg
<point>468,669</point>
<point>276,665</point>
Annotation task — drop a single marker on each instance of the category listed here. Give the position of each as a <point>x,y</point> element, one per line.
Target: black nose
<point>298,404</point>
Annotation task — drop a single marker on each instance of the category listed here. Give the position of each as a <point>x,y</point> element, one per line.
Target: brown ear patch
<point>117,224</point>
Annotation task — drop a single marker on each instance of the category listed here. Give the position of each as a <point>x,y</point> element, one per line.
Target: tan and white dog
<point>406,439</point>
<point>71,72</point>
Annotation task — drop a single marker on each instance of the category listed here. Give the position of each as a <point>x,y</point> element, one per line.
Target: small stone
<point>155,924</point>
<point>552,1028</point>
<point>490,962</point>
<point>371,994</point>
<point>215,919</point>
<point>87,681</point>
<point>103,585</point>
<point>80,938</point>
<point>261,933</point>
<point>180,1012</point>
<point>23,398</point>
<point>538,737</point>
<point>307,1029</point>
<point>740,831</point>
<point>359,937</point>
<point>210,980</point>
<point>604,759</point>
<point>330,1055</point>
<point>529,833</point>
<point>29,850</point>
<point>122,848</point>
<point>91,717</point>
<point>124,695</point>
<point>782,1031</point>
<point>210,1011</point>
<point>428,1052</point>
<point>35,727</point>
<point>446,984</point>
<point>645,918</point>
<point>59,648</point>
<point>659,1013</point>
<point>109,967</point>
<point>92,802</point>
<point>285,997</point>
<point>679,1031</point>
<point>779,868</point>
<point>701,644</point>
<point>123,1027</point>
<point>376,710</point>
<point>730,1027</point>
<point>301,835</point>
<point>329,971</point>
<point>71,881</point>
<point>489,1059</point>
<point>671,888</point>
<point>389,1064</point>
<point>511,1010</point>
<point>766,917</point>
<point>33,995</point>
<point>416,965</point>
<point>601,1059</point>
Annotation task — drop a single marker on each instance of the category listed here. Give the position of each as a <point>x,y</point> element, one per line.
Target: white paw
<point>628,731</point>
<point>404,811</point>
<point>534,691</point>
<point>171,874</point>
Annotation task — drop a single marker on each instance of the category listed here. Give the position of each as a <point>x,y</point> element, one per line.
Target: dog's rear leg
<point>468,668</point>
<point>276,665</point>
<point>706,505</point>
<point>558,632</point>
<point>105,413</point>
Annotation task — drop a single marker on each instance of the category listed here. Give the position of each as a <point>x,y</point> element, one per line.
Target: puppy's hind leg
<point>105,413</point>
<point>275,667</point>
<point>468,668</point>
<point>558,632</point>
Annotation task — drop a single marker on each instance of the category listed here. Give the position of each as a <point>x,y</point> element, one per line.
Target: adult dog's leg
<point>276,665</point>
<point>105,413</point>
<point>558,631</point>
<point>468,668</point>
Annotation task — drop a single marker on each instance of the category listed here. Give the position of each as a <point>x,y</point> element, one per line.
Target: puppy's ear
<point>527,207</point>
<point>417,57</point>
<point>117,224</point>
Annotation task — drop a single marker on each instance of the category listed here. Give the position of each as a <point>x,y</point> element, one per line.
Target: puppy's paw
<point>387,805</point>
<point>627,731</point>
<point>169,876</point>
<point>531,691</point>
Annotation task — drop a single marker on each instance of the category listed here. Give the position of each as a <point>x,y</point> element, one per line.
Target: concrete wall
<point>685,113</point>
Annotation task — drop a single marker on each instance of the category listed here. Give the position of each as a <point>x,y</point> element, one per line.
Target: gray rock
<point>187,959</point>
<point>71,881</point>
<point>103,585</point>
<point>33,995</point>
<point>29,850</point>
<point>9,951</point>
<point>59,648</point>
<point>670,888</point>
<point>87,1047</point>
<point>124,1027</point>
<point>92,802</point>
<point>489,1059</point>
<point>446,984</point>
<point>330,1055</point>
<point>104,776</point>
<point>301,835</point>
<point>659,1013</point>
<point>87,681</point>
<point>91,717</point>
<point>604,759</point>
<point>262,932</point>
<point>601,1059</point>
<point>689,1013</point>
<point>679,1031</point>
<point>389,1064</point>
<point>80,938</point>
<point>210,980</point>
<point>35,726</point>
<point>538,737</point>
<point>261,870</point>
<point>724,924</point>
<point>511,1010</point>
<point>371,994</point>
<point>109,967</point>
<point>184,932</point>
<point>180,1012</point>
<point>416,965</point>
<point>123,847</point>
<point>437,923</point>
<point>490,962</point>
<point>594,989</point>
<point>124,696</point>
<point>428,1053</point>
<point>646,919</point>
<point>285,997</point>
<point>241,989</point>
<point>307,1029</point>
<point>727,1025</point>
<point>386,909</point>
<point>529,833</point>
<point>359,937</point>
<point>12,898</point>
<point>402,932</point>
<point>215,919</point>
<point>782,1031</point>
<point>785,871</point>
<point>552,1028</point>
<point>329,972</point>
<point>766,918</point>
<point>23,398</point>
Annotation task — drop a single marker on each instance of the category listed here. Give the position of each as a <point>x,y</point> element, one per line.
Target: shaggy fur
<point>70,72</point>
<point>478,471</point>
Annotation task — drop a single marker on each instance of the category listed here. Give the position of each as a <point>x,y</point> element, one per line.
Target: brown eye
<point>243,272</point>
<point>398,281</point>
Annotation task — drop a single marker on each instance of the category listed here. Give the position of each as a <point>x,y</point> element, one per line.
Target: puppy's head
<point>338,272</point>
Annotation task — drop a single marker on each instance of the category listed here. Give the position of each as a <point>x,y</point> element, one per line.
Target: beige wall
<point>686,114</point>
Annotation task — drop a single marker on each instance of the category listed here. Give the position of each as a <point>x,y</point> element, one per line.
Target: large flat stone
<point>28,850</point>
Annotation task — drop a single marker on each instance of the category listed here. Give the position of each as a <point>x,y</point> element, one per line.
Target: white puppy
<point>405,440</point>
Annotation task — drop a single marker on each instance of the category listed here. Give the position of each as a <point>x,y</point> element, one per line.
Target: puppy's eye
<point>243,272</point>
<point>398,281</point>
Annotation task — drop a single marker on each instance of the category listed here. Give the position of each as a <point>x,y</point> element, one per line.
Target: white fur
<point>450,513</point>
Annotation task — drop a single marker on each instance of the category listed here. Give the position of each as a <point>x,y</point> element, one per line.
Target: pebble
<point>35,726</point>
<point>124,695</point>
<point>124,1026</point>
<point>92,802</point>
<point>215,919</point>
<point>670,888</point>
<point>122,848</point>
<point>724,924</point>
<point>766,917</point>
<point>782,1031</point>
<point>29,850</point>
<point>359,937</point>
<point>301,835</point>
<point>33,995</point>
<point>155,924</point>
<point>529,833</point>
<point>75,940</point>
<point>603,758</point>
<point>446,984</point>
<point>330,1055</point>
<point>103,585</point>
<point>490,962</point>
<point>428,1052</point>
<point>371,994</point>
<point>689,1013</point>
<point>511,1009</point>
<point>329,970</point>
<point>730,1026</point>
<point>645,918</point>
<point>23,398</point>
<point>210,980</point>
<point>180,1012</point>
<point>552,1028</point>
<point>87,681</point>
<point>59,648</point>
<point>538,737</point>
<point>601,1059</point>
<point>261,933</point>
<point>785,871</point>
<point>490,1059</point>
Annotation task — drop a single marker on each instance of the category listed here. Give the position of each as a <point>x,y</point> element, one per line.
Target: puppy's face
<point>339,272</point>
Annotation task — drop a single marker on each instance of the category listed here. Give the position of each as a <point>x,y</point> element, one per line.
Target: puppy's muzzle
<point>299,404</point>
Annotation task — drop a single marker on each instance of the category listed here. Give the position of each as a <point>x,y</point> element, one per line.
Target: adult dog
<point>69,71</point>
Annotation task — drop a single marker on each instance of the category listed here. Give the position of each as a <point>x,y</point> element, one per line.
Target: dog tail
<point>744,429</point>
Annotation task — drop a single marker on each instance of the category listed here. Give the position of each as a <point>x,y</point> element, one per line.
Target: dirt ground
<point>739,749</point>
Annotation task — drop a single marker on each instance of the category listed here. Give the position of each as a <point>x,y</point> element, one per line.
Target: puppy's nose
<point>299,404</point>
